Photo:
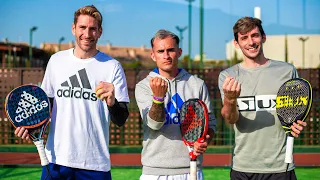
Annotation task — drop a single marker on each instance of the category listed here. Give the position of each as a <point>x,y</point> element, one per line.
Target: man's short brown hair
<point>90,11</point>
<point>246,24</point>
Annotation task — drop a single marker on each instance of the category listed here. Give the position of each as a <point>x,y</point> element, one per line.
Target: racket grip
<point>289,150</point>
<point>193,170</point>
<point>42,154</point>
<point>192,155</point>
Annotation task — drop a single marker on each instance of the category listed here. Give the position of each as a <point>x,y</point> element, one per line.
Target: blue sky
<point>134,22</point>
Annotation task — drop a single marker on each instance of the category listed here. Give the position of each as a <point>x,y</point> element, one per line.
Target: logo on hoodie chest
<point>173,109</point>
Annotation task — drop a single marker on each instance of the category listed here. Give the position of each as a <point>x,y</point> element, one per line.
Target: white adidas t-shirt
<point>79,128</point>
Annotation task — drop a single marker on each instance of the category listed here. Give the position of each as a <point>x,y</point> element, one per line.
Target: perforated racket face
<point>193,120</point>
<point>27,106</point>
<point>293,101</point>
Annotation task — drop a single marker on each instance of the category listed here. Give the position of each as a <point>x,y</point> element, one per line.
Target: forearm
<point>157,112</point>
<point>152,114</point>
<point>229,111</point>
<point>119,113</point>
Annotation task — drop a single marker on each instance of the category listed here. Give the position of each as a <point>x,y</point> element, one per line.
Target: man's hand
<point>159,87</point>
<point>296,128</point>
<point>105,91</point>
<point>21,132</point>
<point>201,147</point>
<point>231,89</point>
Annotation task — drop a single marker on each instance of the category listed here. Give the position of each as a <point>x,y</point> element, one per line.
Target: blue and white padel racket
<point>28,106</point>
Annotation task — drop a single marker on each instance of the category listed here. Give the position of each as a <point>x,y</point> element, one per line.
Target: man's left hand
<point>201,147</point>
<point>105,91</point>
<point>296,128</point>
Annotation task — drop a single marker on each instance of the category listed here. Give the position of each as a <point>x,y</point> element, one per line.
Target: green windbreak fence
<point>132,132</point>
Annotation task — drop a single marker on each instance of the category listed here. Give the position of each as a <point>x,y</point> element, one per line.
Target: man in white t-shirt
<point>88,89</point>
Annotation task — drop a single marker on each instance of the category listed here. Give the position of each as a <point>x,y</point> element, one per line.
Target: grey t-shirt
<point>259,137</point>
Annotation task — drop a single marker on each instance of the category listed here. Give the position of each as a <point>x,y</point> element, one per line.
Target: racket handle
<point>42,154</point>
<point>192,156</point>
<point>193,170</point>
<point>289,150</point>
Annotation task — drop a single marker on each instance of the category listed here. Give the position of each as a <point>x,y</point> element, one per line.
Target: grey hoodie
<point>164,152</point>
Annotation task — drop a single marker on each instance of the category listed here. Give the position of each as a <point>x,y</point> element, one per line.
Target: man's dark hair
<point>246,24</point>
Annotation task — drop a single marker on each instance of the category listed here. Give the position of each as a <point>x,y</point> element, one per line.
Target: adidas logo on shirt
<point>28,106</point>
<point>172,110</point>
<point>74,89</point>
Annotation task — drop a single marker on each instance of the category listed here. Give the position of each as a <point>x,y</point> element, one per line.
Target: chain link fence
<point>132,132</point>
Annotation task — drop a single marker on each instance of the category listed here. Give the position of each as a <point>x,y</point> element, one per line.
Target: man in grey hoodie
<point>159,97</point>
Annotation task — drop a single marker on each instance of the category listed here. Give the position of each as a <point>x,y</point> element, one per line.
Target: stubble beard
<point>92,46</point>
<point>260,52</point>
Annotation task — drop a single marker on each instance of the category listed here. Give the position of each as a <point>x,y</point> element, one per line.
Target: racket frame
<point>290,138</point>
<point>37,140</point>
<point>193,157</point>
<point>205,130</point>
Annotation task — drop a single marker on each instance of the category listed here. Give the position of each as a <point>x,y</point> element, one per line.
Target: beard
<point>87,47</point>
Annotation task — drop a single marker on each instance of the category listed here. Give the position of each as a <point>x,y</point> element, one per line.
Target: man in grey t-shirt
<point>248,91</point>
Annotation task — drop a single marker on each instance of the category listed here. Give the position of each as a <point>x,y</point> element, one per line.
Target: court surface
<point>132,173</point>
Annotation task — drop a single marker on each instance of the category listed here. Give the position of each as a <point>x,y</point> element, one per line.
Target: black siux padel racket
<point>194,126</point>
<point>293,103</point>
<point>28,106</point>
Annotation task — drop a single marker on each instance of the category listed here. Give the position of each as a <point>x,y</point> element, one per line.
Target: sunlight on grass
<point>122,173</point>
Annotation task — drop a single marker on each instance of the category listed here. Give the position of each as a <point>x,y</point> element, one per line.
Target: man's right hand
<point>22,132</point>
<point>159,87</point>
<point>231,89</point>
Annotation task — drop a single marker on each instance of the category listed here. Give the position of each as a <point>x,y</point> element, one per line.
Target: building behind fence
<point>132,132</point>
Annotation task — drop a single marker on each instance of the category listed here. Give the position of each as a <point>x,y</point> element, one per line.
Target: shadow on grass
<point>17,173</point>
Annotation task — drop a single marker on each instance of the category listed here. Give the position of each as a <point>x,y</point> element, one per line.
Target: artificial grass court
<point>129,173</point>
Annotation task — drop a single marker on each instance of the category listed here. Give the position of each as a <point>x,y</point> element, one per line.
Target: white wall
<point>274,49</point>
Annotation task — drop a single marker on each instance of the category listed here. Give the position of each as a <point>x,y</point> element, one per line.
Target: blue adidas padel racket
<point>194,120</point>
<point>28,106</point>
<point>293,102</point>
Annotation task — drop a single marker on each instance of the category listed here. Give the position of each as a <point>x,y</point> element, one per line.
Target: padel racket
<point>194,126</point>
<point>293,103</point>
<point>28,106</point>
